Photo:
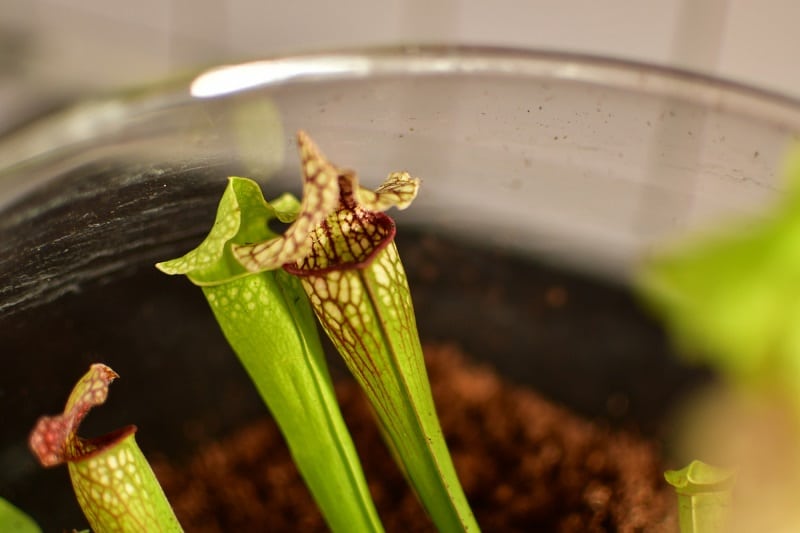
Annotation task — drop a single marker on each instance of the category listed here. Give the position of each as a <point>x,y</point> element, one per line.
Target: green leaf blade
<point>13,519</point>
<point>270,327</point>
<point>732,298</point>
<point>351,272</point>
<point>266,319</point>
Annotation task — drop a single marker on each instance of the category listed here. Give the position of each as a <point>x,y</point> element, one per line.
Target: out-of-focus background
<point>53,51</point>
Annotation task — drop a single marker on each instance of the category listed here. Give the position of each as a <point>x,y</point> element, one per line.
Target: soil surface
<point>525,464</point>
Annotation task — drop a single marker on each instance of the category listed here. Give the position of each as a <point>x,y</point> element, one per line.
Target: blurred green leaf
<point>732,298</point>
<point>12,519</point>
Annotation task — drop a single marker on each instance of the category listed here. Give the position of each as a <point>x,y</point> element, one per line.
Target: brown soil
<point>525,464</point>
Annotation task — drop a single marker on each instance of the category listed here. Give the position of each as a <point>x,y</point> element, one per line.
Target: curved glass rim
<point>619,73</point>
<point>98,116</point>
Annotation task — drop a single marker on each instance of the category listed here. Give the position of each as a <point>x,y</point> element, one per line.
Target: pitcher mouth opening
<point>359,246</point>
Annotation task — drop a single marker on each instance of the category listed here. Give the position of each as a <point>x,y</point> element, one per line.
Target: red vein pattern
<point>320,197</point>
<point>53,439</point>
<point>112,480</point>
<point>358,289</point>
<point>348,238</point>
<point>351,239</point>
<point>351,271</point>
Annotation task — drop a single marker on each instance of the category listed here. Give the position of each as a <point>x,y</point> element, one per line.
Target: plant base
<point>525,463</point>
